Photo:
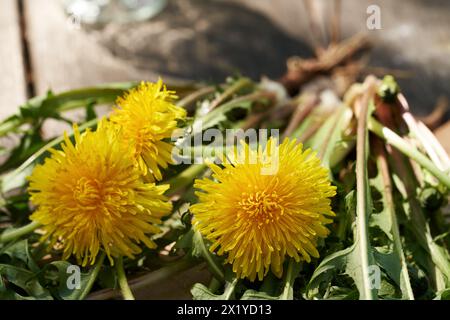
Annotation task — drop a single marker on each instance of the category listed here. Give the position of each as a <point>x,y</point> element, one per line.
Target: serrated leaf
<point>382,219</point>
<point>201,292</point>
<point>392,260</point>
<point>328,268</point>
<point>332,132</point>
<point>200,249</point>
<point>64,292</point>
<point>218,115</point>
<point>185,241</point>
<point>26,280</point>
<point>9,294</point>
<point>391,264</point>
<point>257,295</point>
<point>20,251</point>
<point>407,184</point>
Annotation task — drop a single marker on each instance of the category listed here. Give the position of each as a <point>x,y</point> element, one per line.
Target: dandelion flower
<point>90,197</point>
<point>148,116</point>
<point>258,219</point>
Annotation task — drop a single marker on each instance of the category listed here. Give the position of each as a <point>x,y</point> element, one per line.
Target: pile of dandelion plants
<point>381,172</point>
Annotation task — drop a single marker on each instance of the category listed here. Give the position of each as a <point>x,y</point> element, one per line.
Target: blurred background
<point>65,44</point>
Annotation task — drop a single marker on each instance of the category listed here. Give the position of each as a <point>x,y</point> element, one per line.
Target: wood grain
<point>65,57</point>
<point>443,135</point>
<point>12,79</point>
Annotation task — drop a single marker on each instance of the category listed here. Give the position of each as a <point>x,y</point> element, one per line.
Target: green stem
<point>187,101</point>
<point>229,290</point>
<point>186,177</point>
<point>224,108</point>
<point>404,147</point>
<point>420,226</point>
<point>93,276</point>
<point>10,235</point>
<point>238,85</point>
<point>10,125</point>
<point>123,283</point>
<point>215,269</point>
<point>68,100</point>
<point>291,274</point>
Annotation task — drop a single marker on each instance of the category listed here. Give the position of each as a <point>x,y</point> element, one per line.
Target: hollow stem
<point>186,177</point>
<point>93,276</point>
<point>291,274</point>
<point>10,235</point>
<point>404,147</point>
<point>123,283</point>
<point>229,290</point>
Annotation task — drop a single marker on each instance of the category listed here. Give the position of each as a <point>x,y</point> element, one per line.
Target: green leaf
<point>30,143</point>
<point>443,295</point>
<point>201,250</point>
<point>390,263</point>
<point>257,295</point>
<point>347,261</point>
<point>329,267</point>
<point>201,292</point>
<point>358,259</point>
<point>362,257</point>
<point>393,260</point>
<point>9,294</point>
<point>336,145</point>
<point>20,251</point>
<point>219,115</point>
<point>347,215</point>
<point>25,280</point>
<point>382,219</point>
<point>49,105</point>
<point>63,290</point>
<point>407,184</point>
<point>90,111</point>
<point>287,290</point>
<point>186,240</point>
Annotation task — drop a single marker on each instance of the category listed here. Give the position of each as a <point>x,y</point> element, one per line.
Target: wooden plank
<point>65,57</point>
<point>443,135</point>
<point>290,15</point>
<point>12,79</point>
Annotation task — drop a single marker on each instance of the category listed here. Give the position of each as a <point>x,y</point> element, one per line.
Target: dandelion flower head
<point>90,196</point>
<point>148,117</point>
<point>258,220</point>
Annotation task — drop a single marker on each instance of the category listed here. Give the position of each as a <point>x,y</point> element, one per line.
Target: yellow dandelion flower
<point>148,116</point>
<point>258,219</point>
<point>90,197</point>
